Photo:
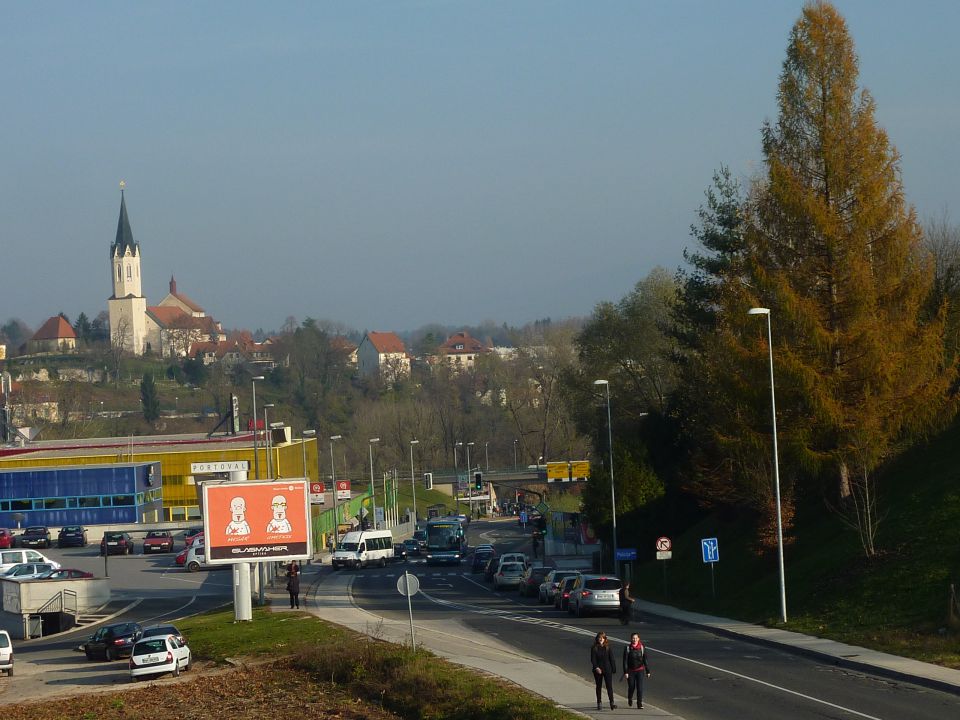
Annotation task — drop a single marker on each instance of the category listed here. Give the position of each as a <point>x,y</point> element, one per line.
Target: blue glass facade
<point>81,495</point>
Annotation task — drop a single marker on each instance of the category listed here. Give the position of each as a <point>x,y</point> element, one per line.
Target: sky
<point>392,164</point>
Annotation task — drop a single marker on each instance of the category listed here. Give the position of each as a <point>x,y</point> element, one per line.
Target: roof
<point>386,342</point>
<point>183,298</point>
<point>124,239</point>
<point>165,314</point>
<point>338,342</point>
<point>470,344</point>
<point>56,328</point>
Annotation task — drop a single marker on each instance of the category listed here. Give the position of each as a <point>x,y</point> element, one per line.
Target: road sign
<point>343,489</point>
<point>663,543</point>
<point>664,554</point>
<point>711,550</point>
<point>543,508</point>
<point>626,553</point>
<point>523,518</point>
<point>318,488</point>
<point>408,584</point>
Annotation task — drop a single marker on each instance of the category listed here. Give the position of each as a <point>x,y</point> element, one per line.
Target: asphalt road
<point>696,675</point>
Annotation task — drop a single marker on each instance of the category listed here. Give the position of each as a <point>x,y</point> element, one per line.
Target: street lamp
<point>486,454</point>
<point>469,486</point>
<point>303,450</point>
<point>456,471</point>
<point>336,495</point>
<point>256,458</point>
<point>373,487</point>
<point>413,484</point>
<point>776,464</point>
<point>514,455</point>
<point>613,496</point>
<point>266,438</point>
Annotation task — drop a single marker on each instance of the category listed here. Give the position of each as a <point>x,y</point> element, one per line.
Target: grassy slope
<point>896,603</point>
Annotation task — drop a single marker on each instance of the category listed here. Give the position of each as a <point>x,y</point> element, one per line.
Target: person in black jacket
<point>293,585</point>
<point>604,668</point>
<point>635,666</point>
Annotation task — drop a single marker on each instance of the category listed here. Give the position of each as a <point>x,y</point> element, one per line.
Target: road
<point>696,675</point>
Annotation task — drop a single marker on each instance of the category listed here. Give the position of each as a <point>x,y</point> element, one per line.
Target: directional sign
<point>626,553</point>
<point>663,543</point>
<point>343,489</point>
<point>542,508</point>
<point>711,550</point>
<point>664,554</point>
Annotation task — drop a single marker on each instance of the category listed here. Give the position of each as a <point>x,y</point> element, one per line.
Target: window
<point>119,274</point>
<point>54,503</point>
<point>89,502</point>
<point>129,273</point>
<point>4,506</point>
<point>16,505</point>
<point>122,500</point>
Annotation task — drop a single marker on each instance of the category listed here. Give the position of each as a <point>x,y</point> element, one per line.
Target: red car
<point>191,536</point>
<point>157,541</point>
<point>65,574</point>
<point>182,556</point>
<point>6,539</point>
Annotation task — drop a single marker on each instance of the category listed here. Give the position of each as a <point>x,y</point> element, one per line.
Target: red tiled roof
<point>165,314</point>
<point>470,344</point>
<point>56,328</point>
<point>386,342</point>
<point>187,301</point>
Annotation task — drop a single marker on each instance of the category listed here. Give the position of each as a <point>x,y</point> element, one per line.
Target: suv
<point>116,543</point>
<point>72,535</point>
<point>37,536</point>
<point>594,593</point>
<point>6,653</point>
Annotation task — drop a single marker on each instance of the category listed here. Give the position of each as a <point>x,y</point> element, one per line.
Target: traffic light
<point>478,481</point>
<point>428,481</point>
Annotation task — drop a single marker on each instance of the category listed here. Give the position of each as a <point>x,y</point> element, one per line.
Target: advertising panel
<point>267,520</point>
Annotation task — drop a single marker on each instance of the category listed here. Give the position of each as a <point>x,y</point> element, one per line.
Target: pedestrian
<point>626,604</point>
<point>635,666</point>
<point>604,668</point>
<point>293,585</point>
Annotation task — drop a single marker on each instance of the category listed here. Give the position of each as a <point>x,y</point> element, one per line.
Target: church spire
<point>124,239</point>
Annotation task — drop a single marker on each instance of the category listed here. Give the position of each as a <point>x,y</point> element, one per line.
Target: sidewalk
<point>327,596</point>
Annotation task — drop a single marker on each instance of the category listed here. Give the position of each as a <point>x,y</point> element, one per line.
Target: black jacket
<point>635,659</point>
<point>293,583</point>
<point>601,656</point>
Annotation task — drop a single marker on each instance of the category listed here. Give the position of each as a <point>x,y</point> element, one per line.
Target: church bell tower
<point>127,305</point>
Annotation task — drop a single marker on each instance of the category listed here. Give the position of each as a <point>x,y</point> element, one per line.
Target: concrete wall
<point>22,598</point>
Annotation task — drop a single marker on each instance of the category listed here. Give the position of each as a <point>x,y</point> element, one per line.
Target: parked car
<point>157,655</point>
<point>7,540</point>
<point>158,541</point>
<point>412,547</point>
<point>561,599</point>
<point>27,571</point>
<point>72,536</point>
<point>191,535</point>
<point>65,574</point>
<point>196,558</point>
<point>9,558</point>
<point>594,593</point>
<point>181,558</point>
<point>161,630</point>
<point>531,579</point>
<point>491,568</point>
<point>551,583</point>
<point>116,543</point>
<point>112,641</point>
<point>6,653</point>
<point>36,536</point>
<point>508,575</point>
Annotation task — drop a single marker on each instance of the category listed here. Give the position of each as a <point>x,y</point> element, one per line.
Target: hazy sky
<point>390,164</point>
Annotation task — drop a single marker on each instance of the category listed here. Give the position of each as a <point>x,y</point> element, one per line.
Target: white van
<point>363,548</point>
<point>9,558</point>
<point>6,653</point>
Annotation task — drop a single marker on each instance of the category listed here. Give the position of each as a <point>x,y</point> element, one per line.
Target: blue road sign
<point>523,518</point>
<point>626,553</point>
<point>711,550</point>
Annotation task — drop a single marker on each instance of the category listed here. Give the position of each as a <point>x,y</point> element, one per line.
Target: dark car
<point>399,552</point>
<point>113,641</point>
<point>490,569</point>
<point>72,536</point>
<point>158,541</point>
<point>480,560</point>
<point>561,600</point>
<point>421,537</point>
<point>65,574</point>
<point>37,536</point>
<point>412,547</point>
<point>116,543</point>
<point>530,582</point>
<point>163,631</point>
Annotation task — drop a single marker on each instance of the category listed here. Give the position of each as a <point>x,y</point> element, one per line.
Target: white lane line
<point>171,612</point>
<point>583,631</point>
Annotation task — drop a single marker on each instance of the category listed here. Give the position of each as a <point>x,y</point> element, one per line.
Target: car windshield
<point>125,629</point>
<point>161,630</point>
<point>351,546</point>
<point>512,568</point>
<point>35,530</point>
<point>148,647</point>
<point>113,536</point>
<point>156,534</point>
<point>4,640</point>
<point>602,584</point>
<point>71,529</point>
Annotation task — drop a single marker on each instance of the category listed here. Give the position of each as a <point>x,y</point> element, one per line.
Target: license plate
<point>111,543</point>
<point>150,659</point>
<point>605,596</point>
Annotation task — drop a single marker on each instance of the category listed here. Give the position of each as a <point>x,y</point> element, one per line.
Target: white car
<point>6,653</point>
<point>158,655</point>
<point>9,558</point>
<point>27,571</point>
<point>508,575</point>
<point>196,558</point>
<point>514,557</point>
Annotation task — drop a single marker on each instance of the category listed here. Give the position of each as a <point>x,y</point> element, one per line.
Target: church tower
<point>127,306</point>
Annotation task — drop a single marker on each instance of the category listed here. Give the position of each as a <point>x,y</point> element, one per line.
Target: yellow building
<point>175,453</point>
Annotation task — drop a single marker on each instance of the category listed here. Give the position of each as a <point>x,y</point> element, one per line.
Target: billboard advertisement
<point>247,521</point>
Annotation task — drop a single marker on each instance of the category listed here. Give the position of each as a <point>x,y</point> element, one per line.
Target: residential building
<point>460,351</point>
<point>55,335</point>
<point>383,355</point>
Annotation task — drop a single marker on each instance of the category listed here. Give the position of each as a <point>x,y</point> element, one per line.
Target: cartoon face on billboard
<point>258,520</point>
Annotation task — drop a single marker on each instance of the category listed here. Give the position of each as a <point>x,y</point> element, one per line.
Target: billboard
<point>246,520</point>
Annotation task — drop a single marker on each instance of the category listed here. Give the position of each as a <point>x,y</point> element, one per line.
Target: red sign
<point>317,488</point>
<point>664,544</point>
<point>343,484</point>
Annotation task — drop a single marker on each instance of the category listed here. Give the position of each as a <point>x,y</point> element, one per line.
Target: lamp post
<point>514,455</point>
<point>413,484</point>
<point>486,454</point>
<point>266,438</point>
<point>336,495</point>
<point>613,496</point>
<point>303,450</point>
<point>776,464</point>
<point>469,486</point>
<point>256,457</point>
<point>456,471</point>
<point>373,487</point>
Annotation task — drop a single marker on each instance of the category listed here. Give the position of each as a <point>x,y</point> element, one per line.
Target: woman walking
<point>626,604</point>
<point>635,666</point>
<point>293,585</point>
<point>604,668</point>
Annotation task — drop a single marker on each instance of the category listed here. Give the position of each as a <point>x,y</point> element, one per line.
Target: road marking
<point>170,612</point>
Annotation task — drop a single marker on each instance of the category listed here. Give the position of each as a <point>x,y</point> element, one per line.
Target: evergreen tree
<point>149,398</point>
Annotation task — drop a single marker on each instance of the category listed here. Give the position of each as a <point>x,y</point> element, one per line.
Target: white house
<point>383,354</point>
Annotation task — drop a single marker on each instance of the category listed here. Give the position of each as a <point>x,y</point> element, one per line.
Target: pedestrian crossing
<point>419,575</point>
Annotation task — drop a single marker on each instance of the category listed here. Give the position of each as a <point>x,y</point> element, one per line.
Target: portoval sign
<point>206,468</point>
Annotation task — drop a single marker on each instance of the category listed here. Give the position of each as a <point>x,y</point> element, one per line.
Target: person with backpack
<point>635,666</point>
<point>604,668</point>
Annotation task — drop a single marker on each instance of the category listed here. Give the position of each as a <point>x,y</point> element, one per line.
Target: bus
<point>446,541</point>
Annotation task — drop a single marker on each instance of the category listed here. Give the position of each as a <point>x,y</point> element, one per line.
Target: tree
<point>834,251</point>
<point>149,398</point>
<point>16,333</point>
<point>82,328</point>
<point>941,238</point>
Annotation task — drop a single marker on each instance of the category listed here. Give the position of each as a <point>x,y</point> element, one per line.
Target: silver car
<point>27,571</point>
<point>509,575</point>
<point>595,593</point>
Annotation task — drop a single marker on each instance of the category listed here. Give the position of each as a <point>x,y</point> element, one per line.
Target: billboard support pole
<point>242,594</point>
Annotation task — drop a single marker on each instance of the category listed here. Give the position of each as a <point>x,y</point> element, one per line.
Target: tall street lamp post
<point>613,496</point>
<point>514,455</point>
<point>776,464</point>
<point>336,495</point>
<point>469,480</point>
<point>413,484</point>
<point>266,438</point>
<point>486,454</point>
<point>456,472</point>
<point>373,487</point>
<point>303,450</point>
<point>256,457</point>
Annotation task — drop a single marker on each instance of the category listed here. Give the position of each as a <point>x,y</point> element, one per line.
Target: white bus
<point>364,548</point>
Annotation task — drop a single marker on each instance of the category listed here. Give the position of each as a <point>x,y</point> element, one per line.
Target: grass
<point>896,602</point>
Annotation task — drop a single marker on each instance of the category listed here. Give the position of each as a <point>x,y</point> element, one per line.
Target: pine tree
<point>149,398</point>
